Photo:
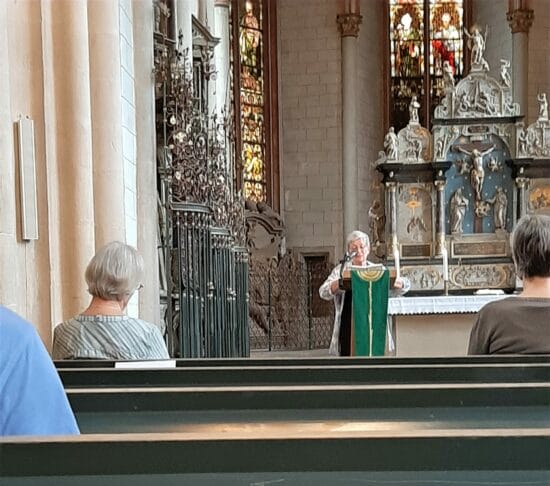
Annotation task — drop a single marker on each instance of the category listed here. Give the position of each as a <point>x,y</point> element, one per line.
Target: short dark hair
<point>530,242</point>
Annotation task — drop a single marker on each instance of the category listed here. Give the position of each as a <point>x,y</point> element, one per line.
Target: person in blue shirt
<point>32,398</point>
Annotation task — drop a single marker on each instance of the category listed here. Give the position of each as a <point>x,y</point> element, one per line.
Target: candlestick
<point>445,256</point>
<point>396,260</point>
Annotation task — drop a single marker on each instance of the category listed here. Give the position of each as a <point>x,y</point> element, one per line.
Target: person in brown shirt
<point>521,324</point>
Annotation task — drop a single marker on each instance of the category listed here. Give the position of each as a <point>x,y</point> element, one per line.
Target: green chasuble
<point>370,289</point>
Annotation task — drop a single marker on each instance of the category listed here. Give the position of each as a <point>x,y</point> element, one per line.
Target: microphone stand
<point>343,261</point>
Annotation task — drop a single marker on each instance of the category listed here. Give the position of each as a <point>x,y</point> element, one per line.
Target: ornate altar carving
<point>456,206</point>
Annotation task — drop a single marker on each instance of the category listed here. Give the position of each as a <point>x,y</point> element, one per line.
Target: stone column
<point>520,19</point>
<point>521,183</point>
<point>8,238</point>
<point>349,28</point>
<point>68,129</point>
<point>184,10</point>
<point>106,106</point>
<point>221,54</point>
<point>147,208</point>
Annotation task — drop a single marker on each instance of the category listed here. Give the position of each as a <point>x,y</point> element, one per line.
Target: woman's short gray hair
<point>530,242</point>
<point>357,235</point>
<point>115,272</point>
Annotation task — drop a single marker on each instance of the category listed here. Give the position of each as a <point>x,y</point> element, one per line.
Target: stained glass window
<point>426,38</point>
<point>252,100</point>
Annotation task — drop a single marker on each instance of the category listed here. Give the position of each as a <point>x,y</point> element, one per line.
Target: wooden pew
<point>342,432</point>
<point>332,373</point>
<point>327,456</point>
<point>315,361</point>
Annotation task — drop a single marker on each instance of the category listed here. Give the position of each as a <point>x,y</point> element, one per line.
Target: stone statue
<point>439,149</point>
<point>459,204</point>
<point>543,106</point>
<point>391,144</point>
<point>448,76</point>
<point>414,106</point>
<point>500,204</point>
<point>477,174</point>
<point>505,73</point>
<point>476,43</point>
<point>156,10</point>
<point>523,140</point>
<point>377,222</point>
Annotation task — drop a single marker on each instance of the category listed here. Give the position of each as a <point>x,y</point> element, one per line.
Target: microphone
<point>351,256</point>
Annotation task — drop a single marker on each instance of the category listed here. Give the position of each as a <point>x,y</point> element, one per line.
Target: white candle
<point>396,260</point>
<point>445,256</point>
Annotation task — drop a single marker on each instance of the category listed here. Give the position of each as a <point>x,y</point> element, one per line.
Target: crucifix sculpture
<point>477,174</point>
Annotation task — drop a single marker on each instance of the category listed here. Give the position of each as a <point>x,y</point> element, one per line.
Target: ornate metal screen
<point>204,259</point>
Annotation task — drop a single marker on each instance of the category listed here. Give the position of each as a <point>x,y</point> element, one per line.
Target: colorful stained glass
<point>252,98</point>
<point>425,36</point>
<point>446,40</point>
<point>406,56</point>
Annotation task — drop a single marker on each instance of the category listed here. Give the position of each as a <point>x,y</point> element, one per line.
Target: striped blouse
<point>108,337</point>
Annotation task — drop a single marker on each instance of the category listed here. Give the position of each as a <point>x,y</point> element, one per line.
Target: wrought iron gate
<point>285,312</point>
<point>202,237</point>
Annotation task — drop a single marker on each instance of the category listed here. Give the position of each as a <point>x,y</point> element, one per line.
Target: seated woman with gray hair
<point>103,330</point>
<point>520,325</point>
<point>358,245</point>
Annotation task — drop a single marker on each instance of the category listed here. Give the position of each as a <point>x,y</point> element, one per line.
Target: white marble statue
<point>414,106</point>
<point>459,204</point>
<point>391,144</point>
<point>543,106</point>
<point>505,73</point>
<point>500,203</point>
<point>476,43</point>
<point>448,75</point>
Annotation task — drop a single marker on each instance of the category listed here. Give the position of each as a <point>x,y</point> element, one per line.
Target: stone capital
<point>349,24</point>
<point>520,20</point>
<point>222,3</point>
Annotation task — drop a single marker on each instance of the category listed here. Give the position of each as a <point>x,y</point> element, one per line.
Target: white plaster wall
<point>371,113</point>
<point>311,119</point>
<point>539,55</point>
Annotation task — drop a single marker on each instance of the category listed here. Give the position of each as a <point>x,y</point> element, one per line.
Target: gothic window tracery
<point>426,48</point>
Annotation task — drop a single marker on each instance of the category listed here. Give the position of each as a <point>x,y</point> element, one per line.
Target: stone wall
<point>371,53</point>
<point>539,56</point>
<point>310,110</point>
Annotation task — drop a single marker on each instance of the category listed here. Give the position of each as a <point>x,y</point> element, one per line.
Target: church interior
<point>236,144</point>
<point>301,103</point>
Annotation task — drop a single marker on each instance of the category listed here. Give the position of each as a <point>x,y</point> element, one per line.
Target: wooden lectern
<point>368,289</point>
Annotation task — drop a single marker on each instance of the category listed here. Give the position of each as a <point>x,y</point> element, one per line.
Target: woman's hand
<point>334,286</point>
<point>398,284</point>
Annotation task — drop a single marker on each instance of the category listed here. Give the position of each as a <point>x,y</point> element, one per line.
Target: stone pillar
<point>440,221</point>
<point>221,54</point>
<point>520,19</point>
<point>68,129</point>
<point>106,106</point>
<point>147,208</point>
<point>8,238</point>
<point>521,183</point>
<point>184,10</point>
<point>349,28</point>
